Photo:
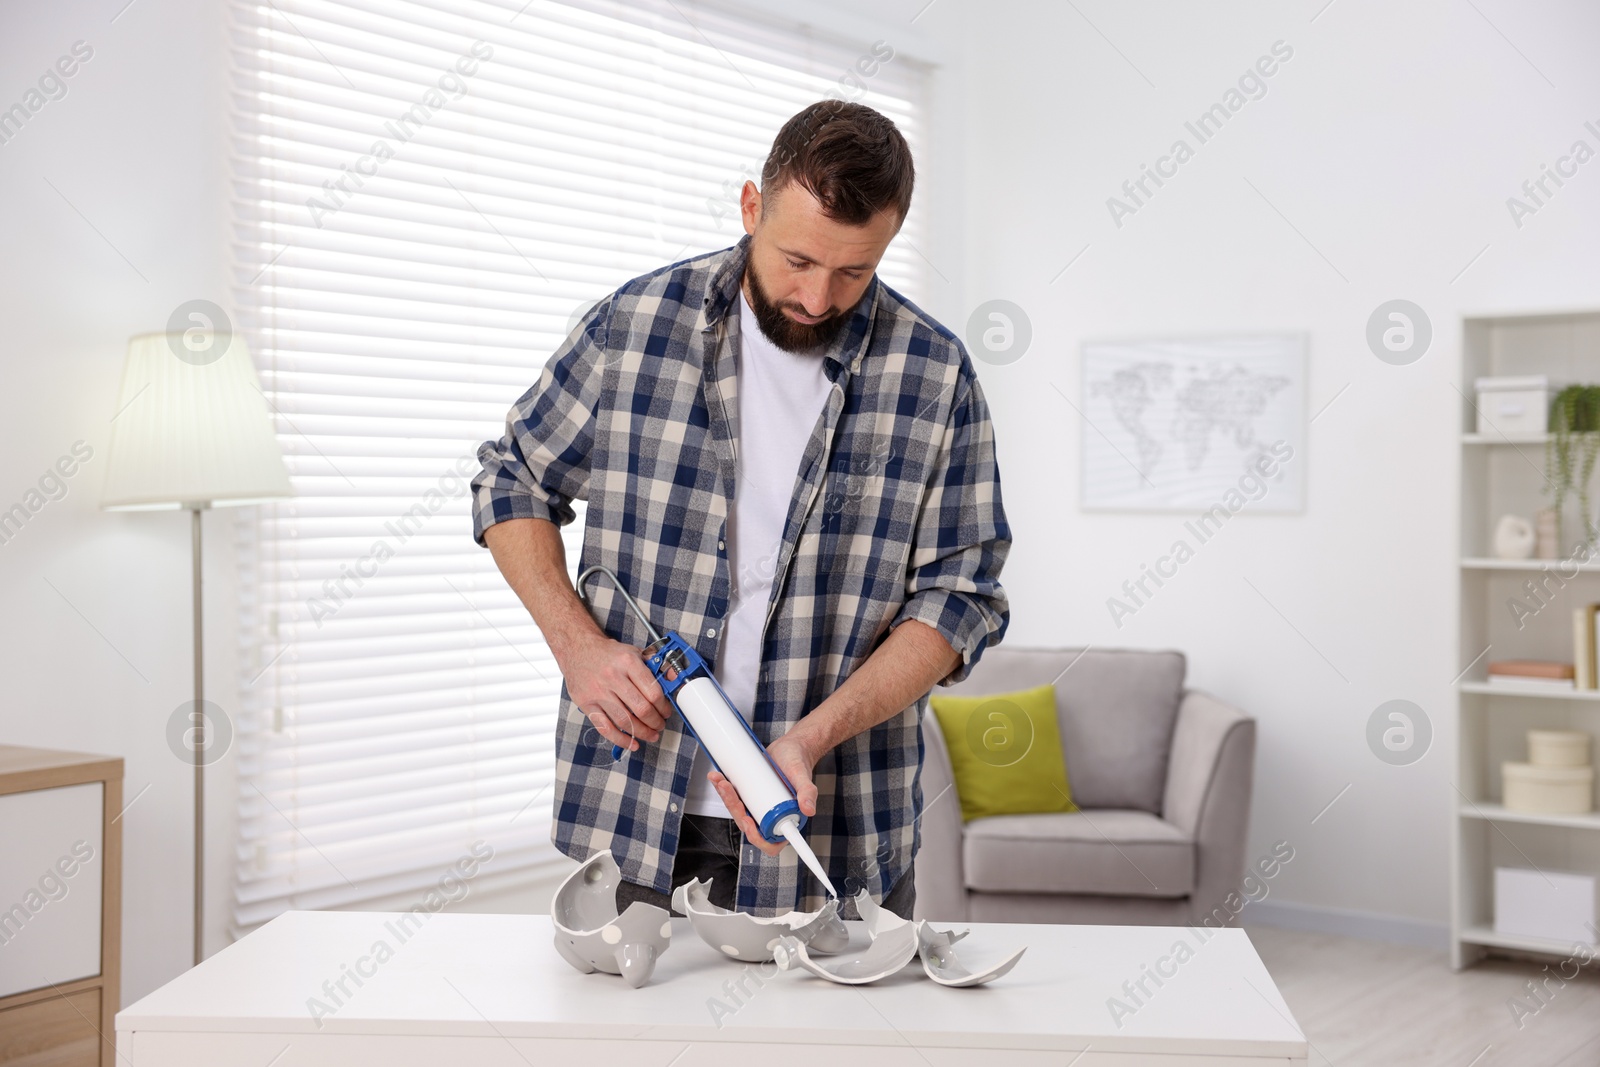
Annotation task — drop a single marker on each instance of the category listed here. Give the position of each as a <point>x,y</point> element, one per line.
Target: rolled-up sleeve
<point>542,463</point>
<point>961,538</point>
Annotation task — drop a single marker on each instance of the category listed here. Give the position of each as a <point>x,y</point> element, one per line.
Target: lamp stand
<point>198,742</point>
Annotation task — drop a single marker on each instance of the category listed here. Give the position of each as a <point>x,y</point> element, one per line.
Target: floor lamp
<point>192,431</point>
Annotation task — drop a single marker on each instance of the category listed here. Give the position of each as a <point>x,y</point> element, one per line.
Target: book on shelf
<point>1592,650</point>
<point>1547,669</point>
<point>1517,681</point>
<point>1531,674</point>
<point>1583,646</point>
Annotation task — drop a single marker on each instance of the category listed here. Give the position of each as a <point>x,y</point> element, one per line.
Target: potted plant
<point>1571,450</point>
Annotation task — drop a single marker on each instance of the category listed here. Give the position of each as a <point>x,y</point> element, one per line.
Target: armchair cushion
<point>1005,752</point>
<point>1116,711</point>
<point>1117,852</point>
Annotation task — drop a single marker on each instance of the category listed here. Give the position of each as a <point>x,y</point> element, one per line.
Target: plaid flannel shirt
<point>896,515</point>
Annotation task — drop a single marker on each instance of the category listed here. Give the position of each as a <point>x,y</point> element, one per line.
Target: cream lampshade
<point>191,430</point>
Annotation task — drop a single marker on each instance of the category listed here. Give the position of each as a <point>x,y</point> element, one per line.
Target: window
<point>428,194</point>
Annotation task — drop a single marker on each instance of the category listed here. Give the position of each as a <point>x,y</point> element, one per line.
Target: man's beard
<point>781,330</point>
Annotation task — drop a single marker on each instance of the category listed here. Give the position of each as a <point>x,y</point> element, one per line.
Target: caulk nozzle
<point>789,827</point>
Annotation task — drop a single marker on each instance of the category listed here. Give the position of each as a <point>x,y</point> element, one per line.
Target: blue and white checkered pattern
<point>896,515</point>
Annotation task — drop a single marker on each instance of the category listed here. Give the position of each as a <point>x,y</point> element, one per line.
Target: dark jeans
<point>708,849</point>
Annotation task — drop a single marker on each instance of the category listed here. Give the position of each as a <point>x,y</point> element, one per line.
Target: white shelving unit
<point>1502,475</point>
<point>1504,439</point>
<point>1484,936</point>
<point>1498,813</point>
<point>1534,692</point>
<point>1482,564</point>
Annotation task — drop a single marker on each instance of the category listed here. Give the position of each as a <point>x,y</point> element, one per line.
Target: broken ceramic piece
<point>878,918</point>
<point>882,957</point>
<point>829,936</point>
<point>893,942</point>
<point>941,964</point>
<point>752,938</point>
<point>590,934</point>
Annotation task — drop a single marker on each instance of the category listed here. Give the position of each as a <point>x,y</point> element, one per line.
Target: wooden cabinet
<point>60,907</point>
<point>54,1032</point>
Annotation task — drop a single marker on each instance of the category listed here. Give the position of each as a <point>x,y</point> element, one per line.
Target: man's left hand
<point>794,757</point>
<point>898,673</point>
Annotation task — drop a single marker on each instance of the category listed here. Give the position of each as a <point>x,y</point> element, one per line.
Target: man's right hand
<point>615,691</point>
<point>606,679</point>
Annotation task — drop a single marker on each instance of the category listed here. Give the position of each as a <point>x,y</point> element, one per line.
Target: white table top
<point>499,975</point>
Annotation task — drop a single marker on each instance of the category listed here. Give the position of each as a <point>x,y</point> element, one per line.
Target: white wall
<point>138,145</point>
<point>100,661</point>
<point>1390,140</point>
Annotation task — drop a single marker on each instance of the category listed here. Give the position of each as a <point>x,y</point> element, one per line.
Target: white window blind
<point>426,195</point>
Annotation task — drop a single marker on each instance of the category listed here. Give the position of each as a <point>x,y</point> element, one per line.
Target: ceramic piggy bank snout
<point>590,935</point>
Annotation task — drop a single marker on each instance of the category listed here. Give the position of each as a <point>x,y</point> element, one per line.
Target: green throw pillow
<point>1005,751</point>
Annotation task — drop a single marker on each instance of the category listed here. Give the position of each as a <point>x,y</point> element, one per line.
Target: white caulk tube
<point>739,756</point>
<point>728,740</point>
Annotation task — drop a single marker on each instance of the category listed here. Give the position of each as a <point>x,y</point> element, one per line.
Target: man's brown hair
<point>848,156</point>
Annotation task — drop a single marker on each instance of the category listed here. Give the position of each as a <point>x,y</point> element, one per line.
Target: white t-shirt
<point>781,394</point>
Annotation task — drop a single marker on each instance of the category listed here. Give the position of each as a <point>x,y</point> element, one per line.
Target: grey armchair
<point>1163,775</point>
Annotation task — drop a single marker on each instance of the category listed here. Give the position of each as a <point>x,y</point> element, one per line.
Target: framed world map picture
<point>1195,425</point>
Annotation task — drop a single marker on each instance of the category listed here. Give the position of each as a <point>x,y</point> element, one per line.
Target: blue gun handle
<point>657,667</point>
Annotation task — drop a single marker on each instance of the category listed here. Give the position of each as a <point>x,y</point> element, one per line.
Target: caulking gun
<point>712,720</point>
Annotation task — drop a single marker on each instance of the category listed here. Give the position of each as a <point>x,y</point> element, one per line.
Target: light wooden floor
<point>1366,1004</point>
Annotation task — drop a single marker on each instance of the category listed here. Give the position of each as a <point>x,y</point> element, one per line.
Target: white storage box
<point>1554,905</point>
<point>1547,790</point>
<point>1558,748</point>
<point>1513,406</point>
